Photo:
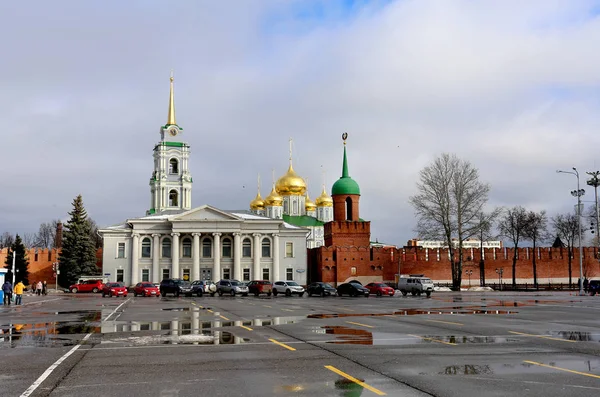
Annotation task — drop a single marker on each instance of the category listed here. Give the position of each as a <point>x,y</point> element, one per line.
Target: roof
<point>345,185</point>
<point>302,221</point>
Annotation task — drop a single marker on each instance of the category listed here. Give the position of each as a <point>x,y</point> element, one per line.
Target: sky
<point>511,86</point>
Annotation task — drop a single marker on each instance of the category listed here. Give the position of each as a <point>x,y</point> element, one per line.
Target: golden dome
<point>291,184</point>
<point>324,200</point>
<point>274,199</point>
<point>258,203</point>
<point>309,205</point>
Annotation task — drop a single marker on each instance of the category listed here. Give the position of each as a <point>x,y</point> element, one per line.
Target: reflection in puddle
<point>348,387</point>
<point>349,336</point>
<point>467,370</point>
<point>576,336</point>
<point>591,366</point>
<point>416,312</point>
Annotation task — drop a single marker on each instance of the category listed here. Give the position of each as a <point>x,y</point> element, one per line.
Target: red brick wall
<point>347,234</point>
<point>339,207</point>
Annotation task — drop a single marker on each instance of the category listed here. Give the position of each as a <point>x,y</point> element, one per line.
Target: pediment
<point>205,213</point>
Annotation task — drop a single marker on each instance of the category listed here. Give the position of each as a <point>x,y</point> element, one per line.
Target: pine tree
<point>78,254</point>
<point>21,262</point>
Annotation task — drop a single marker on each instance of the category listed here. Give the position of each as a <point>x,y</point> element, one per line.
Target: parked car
<point>175,286</point>
<point>416,284</point>
<point>231,287</point>
<point>201,287</point>
<point>258,287</point>
<point>146,289</point>
<point>288,288</point>
<point>355,282</point>
<point>380,289</point>
<point>594,287</point>
<point>352,289</point>
<point>321,288</point>
<point>87,286</point>
<point>114,289</point>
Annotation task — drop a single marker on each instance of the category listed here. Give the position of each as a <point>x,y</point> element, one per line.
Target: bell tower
<point>171,181</point>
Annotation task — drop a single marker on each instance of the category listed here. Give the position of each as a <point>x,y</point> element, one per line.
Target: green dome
<point>345,185</point>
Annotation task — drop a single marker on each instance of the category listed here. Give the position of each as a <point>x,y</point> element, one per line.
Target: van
<point>416,284</point>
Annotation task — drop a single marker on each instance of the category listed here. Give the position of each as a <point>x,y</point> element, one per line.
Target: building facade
<point>174,240</point>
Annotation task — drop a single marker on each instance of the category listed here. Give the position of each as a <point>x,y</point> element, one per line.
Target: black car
<point>352,289</point>
<point>594,287</point>
<point>321,288</point>
<point>175,286</point>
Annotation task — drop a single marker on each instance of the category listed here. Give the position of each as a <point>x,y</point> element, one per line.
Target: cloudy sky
<point>511,86</point>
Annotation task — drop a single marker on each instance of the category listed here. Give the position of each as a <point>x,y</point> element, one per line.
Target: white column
<point>156,258</point>
<point>275,274</point>
<point>257,251</point>
<point>237,256</point>
<point>196,257</point>
<point>217,256</point>
<point>135,244</point>
<point>175,256</point>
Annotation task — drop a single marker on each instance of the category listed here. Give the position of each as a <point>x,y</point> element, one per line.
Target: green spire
<point>345,185</point>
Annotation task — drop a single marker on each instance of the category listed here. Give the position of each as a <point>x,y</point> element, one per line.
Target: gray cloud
<point>85,91</point>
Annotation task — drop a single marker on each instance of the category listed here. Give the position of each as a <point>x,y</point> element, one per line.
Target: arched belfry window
<point>173,198</point>
<point>348,209</point>
<point>173,166</point>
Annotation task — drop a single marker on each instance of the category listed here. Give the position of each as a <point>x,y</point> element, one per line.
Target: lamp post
<point>578,193</point>
<point>500,270</point>
<point>468,273</point>
<point>595,182</point>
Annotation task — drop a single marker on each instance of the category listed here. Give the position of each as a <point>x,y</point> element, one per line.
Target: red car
<point>114,289</point>
<point>87,286</point>
<point>380,289</point>
<point>146,289</point>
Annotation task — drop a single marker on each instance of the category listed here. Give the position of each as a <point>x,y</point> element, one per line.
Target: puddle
<point>576,336</point>
<point>590,366</point>
<point>349,336</point>
<point>415,312</point>
<point>215,338</point>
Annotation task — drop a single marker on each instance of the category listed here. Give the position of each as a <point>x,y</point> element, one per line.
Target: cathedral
<point>174,240</point>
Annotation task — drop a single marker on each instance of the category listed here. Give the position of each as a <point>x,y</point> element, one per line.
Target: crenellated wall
<point>347,233</point>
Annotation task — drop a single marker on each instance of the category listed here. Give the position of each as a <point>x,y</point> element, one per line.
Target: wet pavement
<point>451,344</point>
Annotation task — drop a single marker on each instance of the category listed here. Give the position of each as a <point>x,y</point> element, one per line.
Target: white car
<point>288,288</point>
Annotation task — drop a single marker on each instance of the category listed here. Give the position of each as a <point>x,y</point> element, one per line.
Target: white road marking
<point>51,368</point>
<point>35,303</point>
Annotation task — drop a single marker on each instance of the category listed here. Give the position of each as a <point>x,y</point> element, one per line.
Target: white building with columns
<point>205,243</point>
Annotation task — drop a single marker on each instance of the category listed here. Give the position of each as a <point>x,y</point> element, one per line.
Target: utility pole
<point>14,257</point>
<point>595,182</point>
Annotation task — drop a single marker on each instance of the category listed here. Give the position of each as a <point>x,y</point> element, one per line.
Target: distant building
<point>470,243</point>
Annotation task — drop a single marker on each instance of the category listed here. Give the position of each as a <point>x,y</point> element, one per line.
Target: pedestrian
<point>7,289</point>
<point>38,288</point>
<point>585,284</point>
<point>33,288</point>
<point>45,288</point>
<point>19,287</point>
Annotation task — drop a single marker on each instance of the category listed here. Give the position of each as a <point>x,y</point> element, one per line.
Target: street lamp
<point>595,182</point>
<point>500,270</point>
<point>468,273</point>
<point>578,193</point>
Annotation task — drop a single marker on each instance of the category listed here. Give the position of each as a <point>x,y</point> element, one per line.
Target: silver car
<point>288,288</point>
<point>232,287</point>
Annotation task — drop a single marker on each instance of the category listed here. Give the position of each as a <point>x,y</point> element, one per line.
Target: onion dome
<point>258,203</point>
<point>324,200</point>
<point>291,184</point>
<point>274,199</point>
<point>309,205</point>
<point>345,185</point>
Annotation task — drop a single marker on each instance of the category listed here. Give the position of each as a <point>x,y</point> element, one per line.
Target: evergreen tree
<point>21,262</point>
<point>78,254</point>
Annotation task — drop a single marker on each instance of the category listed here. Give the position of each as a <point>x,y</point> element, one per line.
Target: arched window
<point>226,250</point>
<point>266,248</point>
<point>173,198</point>
<point>349,209</point>
<point>206,248</point>
<point>146,247</point>
<point>166,248</point>
<point>246,248</point>
<point>187,248</point>
<point>173,166</point>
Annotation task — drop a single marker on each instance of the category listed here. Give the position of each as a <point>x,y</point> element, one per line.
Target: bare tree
<point>96,239</point>
<point>566,228</point>
<point>512,226</point>
<point>536,231</point>
<point>46,234</point>
<point>449,200</point>
<point>485,225</point>
<point>6,240</point>
<point>29,240</point>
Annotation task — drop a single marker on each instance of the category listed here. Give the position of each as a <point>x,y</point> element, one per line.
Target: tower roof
<point>345,185</point>
<point>171,115</point>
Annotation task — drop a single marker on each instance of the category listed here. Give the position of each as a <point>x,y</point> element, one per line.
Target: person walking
<point>45,288</point>
<point>38,288</point>
<point>19,287</point>
<point>7,289</point>
<point>585,284</point>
